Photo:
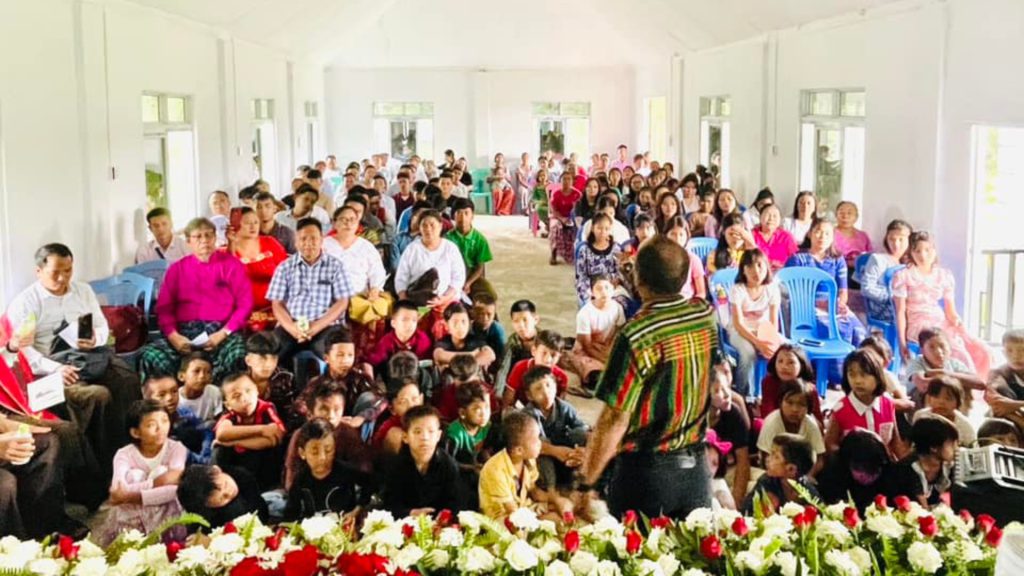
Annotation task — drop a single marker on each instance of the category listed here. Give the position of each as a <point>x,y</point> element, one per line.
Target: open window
<point>264,140</point>
<point>656,127</point>
<point>832,146</point>
<point>562,128</point>
<point>404,129</point>
<point>715,113</point>
<point>169,154</point>
<point>312,113</point>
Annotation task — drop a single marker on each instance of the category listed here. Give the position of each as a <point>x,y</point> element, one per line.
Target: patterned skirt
<point>563,239</point>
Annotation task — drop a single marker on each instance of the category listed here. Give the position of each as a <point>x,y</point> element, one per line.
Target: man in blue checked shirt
<point>308,293</point>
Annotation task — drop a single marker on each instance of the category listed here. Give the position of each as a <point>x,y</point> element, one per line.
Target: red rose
<point>352,564</point>
<point>510,526</point>
<point>711,547</point>
<point>249,567</point>
<point>400,572</point>
<point>802,521</point>
<point>880,502</point>
<point>633,541</point>
<point>739,526</point>
<point>230,528</point>
<point>444,517</point>
<point>850,517</point>
<point>811,513</point>
<point>304,562</point>
<point>173,547</point>
<point>68,548</point>
<point>903,503</point>
<point>985,523</point>
<point>965,515</point>
<point>572,541</point>
<point>994,536</point>
<point>568,517</point>
<point>629,518</point>
<point>928,525</point>
<point>661,522</point>
<point>273,542</point>
<point>408,530</point>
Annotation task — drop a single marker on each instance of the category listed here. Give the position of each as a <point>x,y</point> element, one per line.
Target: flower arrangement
<point>834,540</point>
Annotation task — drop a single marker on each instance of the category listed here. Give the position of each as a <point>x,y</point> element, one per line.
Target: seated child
<point>325,400</point>
<point>791,458</point>
<point>717,453</point>
<point>508,481</point>
<point>249,432</point>
<point>934,361</point>
<point>945,398</point>
<point>197,393</point>
<point>220,495</point>
<point>471,439</point>
<point>925,475</point>
<point>275,384</point>
<point>999,431</point>
<point>462,369</point>
<point>1005,393</point>
<point>596,324</point>
<point>364,401</point>
<point>893,387</point>
<point>563,434</point>
<point>859,470</point>
<point>789,363</point>
<point>387,438</point>
<point>730,419</point>
<point>186,427</point>
<point>793,418</point>
<point>520,344</point>
<point>460,341</point>
<point>323,484</point>
<point>547,350</point>
<point>866,405</point>
<point>486,326</point>
<point>146,474</point>
<point>404,336</point>
<point>422,479</point>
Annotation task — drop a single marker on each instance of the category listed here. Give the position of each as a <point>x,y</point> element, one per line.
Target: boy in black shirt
<point>422,479</point>
<point>220,495</point>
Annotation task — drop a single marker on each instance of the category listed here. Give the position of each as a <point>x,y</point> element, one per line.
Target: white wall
<point>477,113</point>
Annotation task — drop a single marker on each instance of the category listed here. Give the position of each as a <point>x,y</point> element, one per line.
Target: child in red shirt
<point>249,432</point>
<point>546,351</point>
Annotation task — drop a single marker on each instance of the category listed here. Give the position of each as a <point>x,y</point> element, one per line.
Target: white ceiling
<point>454,33</point>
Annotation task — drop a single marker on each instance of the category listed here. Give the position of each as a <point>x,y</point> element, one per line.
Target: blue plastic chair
<point>155,269</point>
<point>859,264</point>
<point>888,328</point>
<point>803,285</point>
<point>701,247</point>
<point>124,289</point>
<point>725,279</point>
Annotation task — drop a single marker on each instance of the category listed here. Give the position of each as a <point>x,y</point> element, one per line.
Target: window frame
<point>835,121</point>
<point>710,112</point>
<point>163,124</point>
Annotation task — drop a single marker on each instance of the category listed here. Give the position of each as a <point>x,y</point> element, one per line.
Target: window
<point>264,140</point>
<point>312,110</point>
<point>832,145</point>
<point>169,153</point>
<point>714,136</point>
<point>404,129</point>
<point>656,126</point>
<point>562,127</point>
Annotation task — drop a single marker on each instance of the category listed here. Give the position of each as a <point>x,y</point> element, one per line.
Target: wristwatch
<point>580,484</point>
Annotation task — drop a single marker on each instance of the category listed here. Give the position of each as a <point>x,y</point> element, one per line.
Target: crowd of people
<point>339,348</point>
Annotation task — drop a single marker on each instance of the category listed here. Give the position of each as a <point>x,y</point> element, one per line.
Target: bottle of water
<point>23,432</point>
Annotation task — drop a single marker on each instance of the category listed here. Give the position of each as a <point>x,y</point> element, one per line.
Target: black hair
<point>156,213</point>
<point>795,450</point>
<point>595,278</point>
<point>796,204</point>
<point>470,392</point>
<point>723,253</point>
<point>917,237</point>
<point>263,344</point>
<point>403,366</point>
<point>929,333</point>
<point>641,219</point>
<point>662,266</point>
<point>690,178</point>
<point>321,389</point>
<point>863,450</point>
<point>336,335</point>
<point>879,346</point>
<point>418,413</point>
<point>55,249</point>
<point>219,193</point>
<point>869,364</point>
<point>749,258</point>
<point>549,339</point>
<point>247,193</point>
<point>136,412</point>
<point>523,306</point>
<point>610,199</point>
<point>234,377</point>
<point>764,194</point>
<point>356,198</point>
<point>194,488</point>
<point>717,211</point>
<point>306,223</point>
<point>430,213</point>
<point>946,383</point>
<point>536,374</point>
<point>265,196</point>
<point>795,387</point>
<point>191,357</point>
<point>307,189</point>
<point>677,221</point>
<point>340,209</point>
<point>462,204</point>
<point>484,299</point>
<point>806,368</point>
<point>991,427</point>
<point>591,238</point>
<point>315,429</point>
<point>832,251</point>
<point>455,308</point>
<point>930,432</point>
<point>404,305</point>
<point>514,425</point>
<point>463,367</point>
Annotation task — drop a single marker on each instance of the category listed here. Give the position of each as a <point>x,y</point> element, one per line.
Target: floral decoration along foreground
<point>835,540</point>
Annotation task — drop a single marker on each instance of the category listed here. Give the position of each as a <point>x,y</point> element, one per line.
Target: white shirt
<point>287,218</point>
<point>595,322</point>
<point>416,260</point>
<point>363,265</point>
<point>207,406</point>
<point>773,426</point>
<point>755,312</point>
<point>796,228</point>
<point>620,234</point>
<point>51,311</point>
<point>151,250</point>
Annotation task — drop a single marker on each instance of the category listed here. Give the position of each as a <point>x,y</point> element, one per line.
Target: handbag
<point>91,364</point>
<point>424,288</point>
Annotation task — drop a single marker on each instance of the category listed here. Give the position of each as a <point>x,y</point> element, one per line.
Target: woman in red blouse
<point>562,227</point>
<point>260,255</point>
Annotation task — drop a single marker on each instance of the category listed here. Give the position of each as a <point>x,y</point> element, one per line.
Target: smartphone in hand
<point>85,331</point>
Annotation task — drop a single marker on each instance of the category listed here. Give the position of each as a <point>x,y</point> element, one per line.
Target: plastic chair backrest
<point>125,289</point>
<point>889,273</point>
<point>859,264</point>
<point>724,278</point>
<point>155,269</point>
<point>701,247</point>
<point>803,284</point>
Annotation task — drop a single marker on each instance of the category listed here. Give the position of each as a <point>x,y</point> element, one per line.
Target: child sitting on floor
<point>146,474</point>
<point>508,481</point>
<point>471,439</point>
<point>935,361</point>
<point>404,336</point>
<point>323,484</point>
<point>791,458</point>
<point>793,417</point>
<point>945,398</point>
<point>459,340</point>
<point>364,400</point>
<point>422,479</point>
<point>220,495</point>
<point>275,384</point>
<point>463,369</point>
<point>926,474</point>
<point>186,427</point>
<point>197,393</point>
<point>520,344</point>
<point>249,432</point>
<point>387,438</point>
<point>547,350</point>
<point>596,324</point>
<point>999,431</point>
<point>563,434</point>
<point>486,326</point>
<point>717,453</point>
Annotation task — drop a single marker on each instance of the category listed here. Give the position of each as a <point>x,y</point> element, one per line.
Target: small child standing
<point>547,350</point>
<point>866,405</point>
<point>791,458</point>
<point>197,393</point>
<point>146,474</point>
<point>249,432</point>
<point>422,479</point>
<point>186,427</point>
<point>472,439</point>
<point>508,481</point>
<point>793,417</point>
<point>945,398</point>
<point>324,485</point>
<point>275,384</point>
<point>563,434</point>
<point>596,325</point>
<point>219,495</point>
<point>486,326</point>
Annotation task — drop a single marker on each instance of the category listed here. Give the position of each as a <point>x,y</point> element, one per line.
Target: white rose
<point>130,561</point>
<point>787,562</point>
<point>86,549</point>
<point>408,556</point>
<point>583,563</point>
<point>653,539</point>
<point>791,509</point>
<point>95,566</point>
<point>834,530</point>
<point>132,536</point>
<point>751,560</point>
<point>548,527</point>
<point>524,519</point>
<point>836,510</point>
<point>450,538</point>
<point>437,559</point>
<point>649,568</point>
<point>607,525</point>
<point>470,520</point>
<point>8,542</point>
<point>558,568</point>
<point>924,557</point>
<point>884,525</point>
<point>155,556</point>
<point>777,525</point>
<point>549,550</point>
<point>317,527</point>
<point>669,564</point>
<point>224,544</point>
<point>17,553</point>
<point>521,556</point>
<point>724,518</point>
<point>693,572</point>
<point>969,551</point>
<point>700,520</point>
<point>842,562</point>
<point>192,557</point>
<point>45,567</point>
<point>378,519</point>
<point>862,558</point>
<point>608,568</point>
<point>476,559</point>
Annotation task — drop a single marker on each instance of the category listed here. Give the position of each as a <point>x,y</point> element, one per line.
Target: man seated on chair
<point>309,293</point>
<point>100,386</point>
<point>165,245</point>
<point>204,301</point>
<point>266,210</point>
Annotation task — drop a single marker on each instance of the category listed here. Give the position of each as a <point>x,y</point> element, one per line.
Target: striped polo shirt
<point>659,372</point>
